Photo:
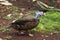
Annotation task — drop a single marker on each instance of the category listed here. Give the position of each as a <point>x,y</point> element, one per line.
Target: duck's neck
<point>36,16</point>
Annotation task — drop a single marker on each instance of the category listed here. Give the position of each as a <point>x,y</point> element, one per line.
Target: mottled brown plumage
<point>27,22</point>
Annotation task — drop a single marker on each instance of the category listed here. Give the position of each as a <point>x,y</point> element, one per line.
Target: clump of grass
<point>14,8</point>
<point>4,29</point>
<point>50,22</point>
<point>2,11</point>
<point>8,17</point>
<point>14,15</point>
<point>31,12</point>
<point>8,38</point>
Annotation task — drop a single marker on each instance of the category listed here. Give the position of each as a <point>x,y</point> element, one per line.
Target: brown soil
<point>37,35</point>
<point>28,4</point>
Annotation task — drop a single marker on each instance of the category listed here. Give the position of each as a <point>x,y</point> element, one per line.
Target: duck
<point>27,22</point>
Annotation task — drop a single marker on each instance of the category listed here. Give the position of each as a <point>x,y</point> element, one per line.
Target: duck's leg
<point>21,33</point>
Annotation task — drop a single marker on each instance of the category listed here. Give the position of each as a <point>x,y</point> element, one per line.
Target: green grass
<point>14,8</point>
<point>2,11</point>
<point>50,22</point>
<point>4,29</point>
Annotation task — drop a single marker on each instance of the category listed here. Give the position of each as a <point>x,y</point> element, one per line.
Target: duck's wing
<point>25,18</point>
<point>25,24</point>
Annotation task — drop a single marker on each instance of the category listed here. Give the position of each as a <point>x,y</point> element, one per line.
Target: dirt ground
<point>37,35</point>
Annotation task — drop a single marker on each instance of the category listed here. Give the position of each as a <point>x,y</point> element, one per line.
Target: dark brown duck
<point>27,22</point>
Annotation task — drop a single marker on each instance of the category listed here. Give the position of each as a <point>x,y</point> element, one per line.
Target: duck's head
<point>39,13</point>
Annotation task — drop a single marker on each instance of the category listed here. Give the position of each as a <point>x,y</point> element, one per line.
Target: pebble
<point>9,15</point>
<point>22,9</point>
<point>13,21</point>
<point>42,35</point>
<point>5,3</point>
<point>46,36</point>
<point>51,33</point>
<point>1,39</point>
<point>44,39</point>
<point>21,14</point>
<point>31,35</point>
<point>2,0</point>
<point>34,0</point>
